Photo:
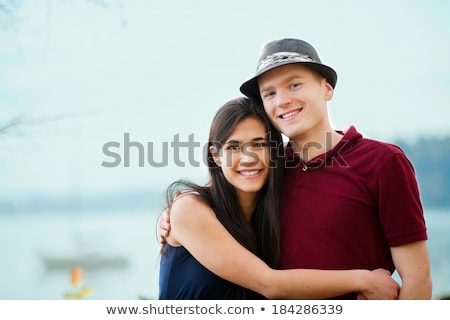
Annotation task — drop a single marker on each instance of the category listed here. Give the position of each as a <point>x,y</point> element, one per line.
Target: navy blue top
<point>182,277</point>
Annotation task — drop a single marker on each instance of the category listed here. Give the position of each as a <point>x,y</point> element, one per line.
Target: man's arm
<point>413,265</point>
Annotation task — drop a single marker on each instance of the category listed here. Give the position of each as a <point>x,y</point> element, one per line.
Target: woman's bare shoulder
<point>187,199</point>
<point>188,214</point>
<point>188,203</point>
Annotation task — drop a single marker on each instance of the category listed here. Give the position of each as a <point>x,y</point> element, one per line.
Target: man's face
<point>295,99</point>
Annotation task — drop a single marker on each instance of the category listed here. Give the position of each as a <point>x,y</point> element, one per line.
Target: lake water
<point>119,253</point>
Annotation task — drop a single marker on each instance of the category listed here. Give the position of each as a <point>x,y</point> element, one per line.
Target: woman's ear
<point>215,154</point>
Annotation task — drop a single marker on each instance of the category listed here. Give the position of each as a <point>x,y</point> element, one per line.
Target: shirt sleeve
<point>400,208</point>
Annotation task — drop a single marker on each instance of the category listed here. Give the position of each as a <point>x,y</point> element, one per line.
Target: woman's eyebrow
<point>232,141</point>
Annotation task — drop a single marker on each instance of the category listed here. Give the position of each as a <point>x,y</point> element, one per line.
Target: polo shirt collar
<point>351,135</point>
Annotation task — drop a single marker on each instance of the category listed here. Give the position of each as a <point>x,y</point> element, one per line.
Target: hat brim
<point>250,87</point>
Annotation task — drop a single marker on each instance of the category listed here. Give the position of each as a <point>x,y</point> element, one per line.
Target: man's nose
<point>283,98</point>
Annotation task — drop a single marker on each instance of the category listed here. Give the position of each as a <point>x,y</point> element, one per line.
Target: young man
<point>349,202</point>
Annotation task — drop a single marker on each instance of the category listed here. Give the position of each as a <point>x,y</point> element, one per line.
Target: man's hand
<point>381,287</point>
<point>163,226</point>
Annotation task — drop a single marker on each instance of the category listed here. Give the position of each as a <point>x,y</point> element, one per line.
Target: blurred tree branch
<point>8,10</point>
<point>8,18</point>
<point>14,122</point>
<point>21,122</point>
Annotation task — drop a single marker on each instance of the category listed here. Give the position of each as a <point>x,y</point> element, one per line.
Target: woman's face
<point>245,156</point>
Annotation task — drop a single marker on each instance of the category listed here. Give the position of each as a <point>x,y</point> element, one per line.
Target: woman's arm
<point>195,226</point>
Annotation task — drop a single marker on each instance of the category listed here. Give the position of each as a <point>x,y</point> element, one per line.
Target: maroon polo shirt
<point>344,209</point>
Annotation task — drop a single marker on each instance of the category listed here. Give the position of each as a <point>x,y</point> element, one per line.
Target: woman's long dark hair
<point>262,235</point>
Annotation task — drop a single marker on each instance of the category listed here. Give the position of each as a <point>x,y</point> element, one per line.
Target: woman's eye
<point>258,145</point>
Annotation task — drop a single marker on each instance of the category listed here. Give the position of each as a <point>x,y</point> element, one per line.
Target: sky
<point>81,76</point>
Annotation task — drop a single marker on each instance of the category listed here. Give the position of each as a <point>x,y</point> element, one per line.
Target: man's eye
<point>269,94</point>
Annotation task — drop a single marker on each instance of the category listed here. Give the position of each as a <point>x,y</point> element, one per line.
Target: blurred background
<point>96,95</point>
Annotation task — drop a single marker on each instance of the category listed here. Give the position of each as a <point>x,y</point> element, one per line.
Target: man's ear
<point>328,91</point>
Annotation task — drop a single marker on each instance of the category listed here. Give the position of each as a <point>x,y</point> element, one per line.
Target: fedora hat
<point>286,51</point>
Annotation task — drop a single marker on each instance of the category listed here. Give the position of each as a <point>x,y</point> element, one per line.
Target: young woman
<point>224,236</point>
